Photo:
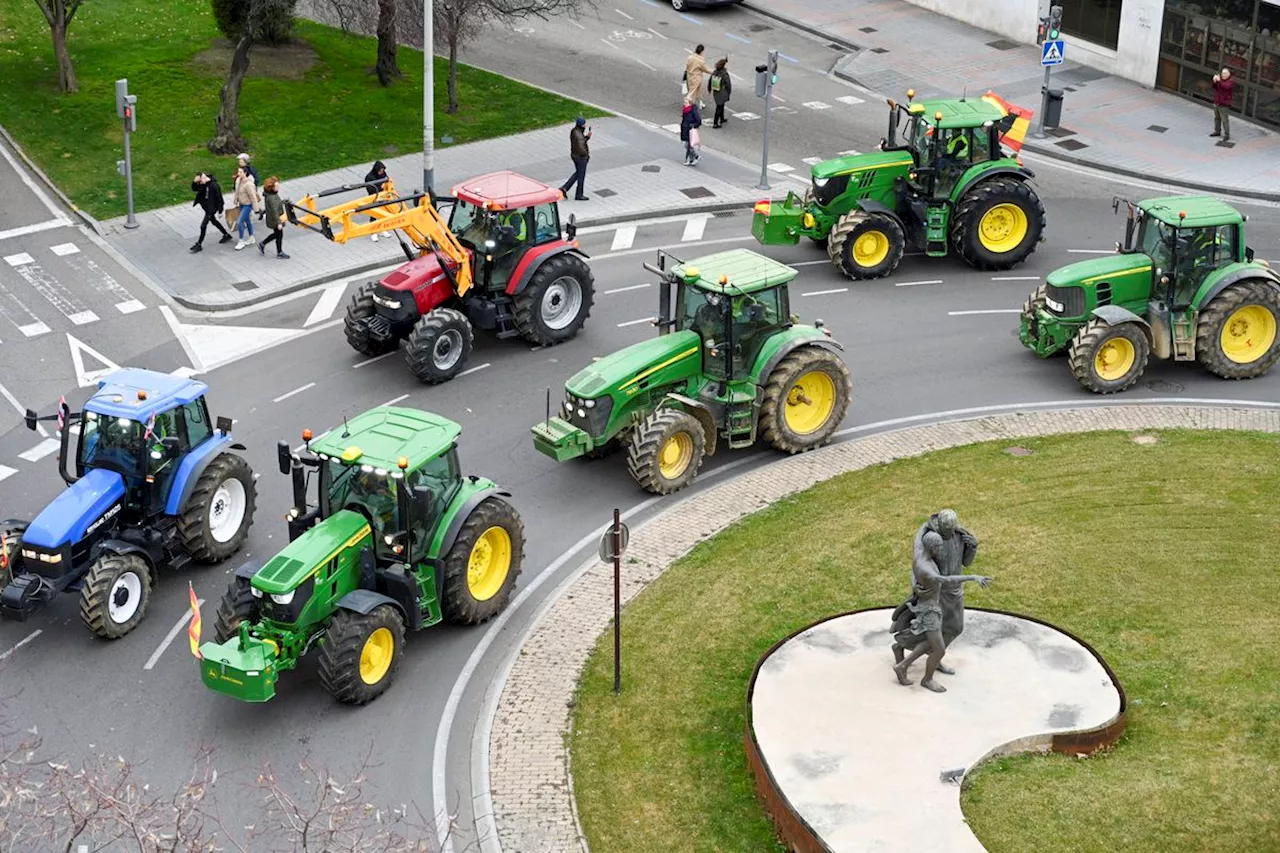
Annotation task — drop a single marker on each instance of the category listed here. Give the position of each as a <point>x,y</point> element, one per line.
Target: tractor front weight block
<point>561,440</point>
<point>781,223</point>
<point>1043,335</point>
<point>244,671</point>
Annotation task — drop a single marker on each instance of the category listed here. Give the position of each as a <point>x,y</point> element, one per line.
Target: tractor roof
<point>138,394</point>
<point>971,112</point>
<point>505,191</point>
<point>1200,209</point>
<point>746,271</point>
<point>380,436</point>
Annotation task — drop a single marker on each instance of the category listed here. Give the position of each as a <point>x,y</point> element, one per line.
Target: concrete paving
<point>863,759</point>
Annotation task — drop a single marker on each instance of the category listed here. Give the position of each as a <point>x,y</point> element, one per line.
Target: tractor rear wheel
<point>1106,359</point>
<point>439,345</point>
<point>238,605</point>
<point>805,400</point>
<point>666,451</point>
<point>356,324</point>
<point>481,568</point>
<point>361,653</point>
<point>557,300</point>
<point>216,520</point>
<point>866,245</point>
<point>1237,334</point>
<point>115,595</point>
<point>997,224</point>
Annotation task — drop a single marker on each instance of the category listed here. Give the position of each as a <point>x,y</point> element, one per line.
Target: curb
<point>804,28</point>
<point>85,218</point>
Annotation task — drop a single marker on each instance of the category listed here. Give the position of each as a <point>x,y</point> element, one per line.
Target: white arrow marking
<point>78,351</point>
<point>326,304</point>
<point>623,238</point>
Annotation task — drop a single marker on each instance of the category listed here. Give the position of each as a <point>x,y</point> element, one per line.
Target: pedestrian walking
<point>580,153</point>
<point>690,121</point>
<point>694,69</point>
<point>273,207</point>
<point>246,198</point>
<point>721,87</point>
<point>1224,88</point>
<point>243,161</point>
<point>209,200</point>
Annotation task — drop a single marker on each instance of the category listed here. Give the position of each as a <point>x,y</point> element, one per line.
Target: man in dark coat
<point>376,179</point>
<point>580,153</point>
<point>209,199</point>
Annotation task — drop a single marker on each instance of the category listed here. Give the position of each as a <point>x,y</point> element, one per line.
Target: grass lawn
<point>307,107</point>
<point>1162,557</point>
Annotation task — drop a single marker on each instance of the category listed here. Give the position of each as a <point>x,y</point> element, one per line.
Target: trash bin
<point>1053,108</point>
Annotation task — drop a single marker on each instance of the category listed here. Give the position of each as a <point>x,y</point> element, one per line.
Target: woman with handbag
<point>721,87</point>
<point>246,198</point>
<point>690,121</point>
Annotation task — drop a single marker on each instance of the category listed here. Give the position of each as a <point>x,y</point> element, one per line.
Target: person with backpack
<point>274,207</point>
<point>208,199</point>
<point>690,121</point>
<point>721,86</point>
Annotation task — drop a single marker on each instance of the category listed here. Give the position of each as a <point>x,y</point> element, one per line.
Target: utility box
<point>1053,108</point>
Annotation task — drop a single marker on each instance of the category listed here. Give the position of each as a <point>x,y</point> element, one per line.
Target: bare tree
<point>457,22</point>
<point>259,20</point>
<point>59,14</point>
<point>386,67</point>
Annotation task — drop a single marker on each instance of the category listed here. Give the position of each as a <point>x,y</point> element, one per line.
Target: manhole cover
<point>651,168</point>
<point>1061,132</point>
<point>1003,44</point>
<point>698,192</point>
<point>245,285</point>
<point>758,28</point>
<point>1072,144</point>
<point>1155,128</point>
<point>1163,386</point>
<point>606,193</point>
<point>868,30</point>
<point>879,50</point>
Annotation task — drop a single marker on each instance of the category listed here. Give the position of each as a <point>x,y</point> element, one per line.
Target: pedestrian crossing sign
<point>1053,53</point>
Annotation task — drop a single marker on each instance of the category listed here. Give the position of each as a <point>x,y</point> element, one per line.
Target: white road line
<point>850,152</point>
<point>642,251</point>
<point>624,14</point>
<point>18,259</point>
<point>396,400</point>
<point>812,161</point>
<point>817,105</point>
<point>169,637</point>
<point>849,99</point>
<point>658,34</point>
<point>31,185</point>
<point>916,283</point>
<point>29,637</point>
<point>1015,278</point>
<point>306,387</point>
<point>781,167</point>
<point>104,282</point>
<point>611,44</point>
<point>825,292</point>
<point>64,249</point>
<point>12,309</point>
<point>674,128</point>
<point>625,289</point>
<point>743,116</point>
<point>623,238</point>
<point>694,228</point>
<point>576,24</point>
<point>130,306</point>
<point>52,290</point>
<point>478,367</point>
<point>779,100</point>
<point>809,263</point>
<point>1092,251</point>
<point>635,322</point>
<point>41,450</point>
<point>47,225</point>
<point>326,304</point>
<point>6,472</point>
<point>645,64</point>
<point>22,410</point>
<point>361,364</point>
<point>988,311</point>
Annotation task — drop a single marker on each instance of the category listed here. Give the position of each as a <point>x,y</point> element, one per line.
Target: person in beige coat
<point>694,69</point>
<point>245,197</point>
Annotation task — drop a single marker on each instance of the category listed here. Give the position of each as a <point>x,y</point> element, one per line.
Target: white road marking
<point>916,283</point>
<point>576,24</point>
<point>41,450</point>
<point>779,100</point>
<point>744,116</point>
<point>694,228</point>
<point>64,249</point>
<point>396,400</point>
<point>31,184</point>
<point>326,304</point>
<point>18,259</point>
<point>624,14</point>
<point>789,58</point>
<point>849,99</point>
<point>36,633</point>
<point>645,64</point>
<point>131,306</point>
<point>674,128</point>
<point>987,311</point>
<point>623,238</point>
<point>1092,251</point>
<point>642,251</point>
<point>478,367</point>
<point>209,347</point>
<point>105,283</point>
<point>169,637</point>
<point>47,225</point>
<point>1015,278</point>
<point>825,292</point>
<point>183,372</point>
<point>6,472</point>
<point>850,152</point>
<point>361,364</point>
<point>624,289</point>
<point>817,105</point>
<point>22,410</point>
<point>286,396</point>
<point>79,349</point>
<point>781,167</point>
<point>812,161</point>
<point>12,309</point>
<point>636,322</point>
<point>809,263</point>
<point>658,34</point>
<point>737,37</point>
<point>611,44</point>
<point>54,291</point>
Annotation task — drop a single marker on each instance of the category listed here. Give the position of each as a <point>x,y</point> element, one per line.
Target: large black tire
<point>356,327</point>
<point>557,300</point>
<point>115,595</point>
<point>354,665</point>
<point>1240,314</point>
<point>1106,359</point>
<point>997,197</point>
<point>439,345</point>
<point>866,245</point>
<point>666,451</point>
<point>215,522</point>
<point>790,419</point>
<point>238,605</point>
<point>481,568</point>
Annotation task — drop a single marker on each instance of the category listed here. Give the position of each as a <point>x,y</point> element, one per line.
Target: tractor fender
<point>189,471</point>
<point>1118,315</point>
<point>535,258</point>
<point>248,570</point>
<point>120,548</point>
<point>868,205</point>
<point>790,347</point>
<point>464,512</point>
<point>1209,290</point>
<point>700,411</point>
<point>365,601</point>
<point>1019,173</point>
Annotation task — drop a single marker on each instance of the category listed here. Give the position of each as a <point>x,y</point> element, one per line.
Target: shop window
<point>1097,21</point>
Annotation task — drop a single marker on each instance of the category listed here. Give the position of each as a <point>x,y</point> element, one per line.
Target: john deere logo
<point>216,676</point>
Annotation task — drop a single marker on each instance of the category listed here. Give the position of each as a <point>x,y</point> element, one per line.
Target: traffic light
<point>131,112</point>
<point>773,68</point>
<point>1042,31</point>
<point>1055,22</point>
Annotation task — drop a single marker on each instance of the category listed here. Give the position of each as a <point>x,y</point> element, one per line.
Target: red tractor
<point>502,262</point>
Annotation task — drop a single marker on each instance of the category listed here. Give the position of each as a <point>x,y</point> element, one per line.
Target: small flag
<point>4,550</point>
<point>193,630</point>
<point>1017,128</point>
<point>151,425</point>
<point>62,413</point>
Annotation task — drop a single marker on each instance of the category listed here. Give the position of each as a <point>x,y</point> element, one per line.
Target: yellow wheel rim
<point>675,455</point>
<point>1002,228</point>
<point>375,657</point>
<point>810,402</point>
<point>1114,358</point>
<point>1248,334</point>
<point>489,564</point>
<point>870,248</point>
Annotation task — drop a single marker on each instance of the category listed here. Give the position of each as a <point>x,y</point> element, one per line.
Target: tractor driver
<point>372,496</point>
<point>954,159</point>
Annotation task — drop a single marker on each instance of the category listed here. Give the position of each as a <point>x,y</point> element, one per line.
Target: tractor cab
<point>945,138</point>
<point>1186,239</point>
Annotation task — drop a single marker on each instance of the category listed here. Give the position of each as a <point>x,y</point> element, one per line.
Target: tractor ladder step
<point>1184,339</point>
<point>740,427</point>
<point>935,232</point>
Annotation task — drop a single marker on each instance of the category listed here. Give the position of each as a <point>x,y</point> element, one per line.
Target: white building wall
<point>1139,42</point>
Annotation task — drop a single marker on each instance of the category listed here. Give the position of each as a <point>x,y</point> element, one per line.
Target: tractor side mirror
<point>571,229</point>
<point>31,418</point>
<point>284,457</point>
<point>172,446</point>
<point>1248,256</point>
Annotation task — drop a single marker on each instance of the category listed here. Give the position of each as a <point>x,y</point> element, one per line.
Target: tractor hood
<point>420,272</point>
<point>1105,268</point>
<point>870,160</point>
<point>69,516</point>
<point>660,360</point>
<point>300,559</point>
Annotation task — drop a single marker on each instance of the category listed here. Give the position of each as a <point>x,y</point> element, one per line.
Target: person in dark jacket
<point>1224,88</point>
<point>274,207</point>
<point>209,199</point>
<point>721,88</point>
<point>376,179</point>
<point>690,121</point>
<point>580,153</point>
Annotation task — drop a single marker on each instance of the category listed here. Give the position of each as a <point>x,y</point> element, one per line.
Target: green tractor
<point>398,539</point>
<point>1183,286</point>
<point>730,364</point>
<point>946,186</point>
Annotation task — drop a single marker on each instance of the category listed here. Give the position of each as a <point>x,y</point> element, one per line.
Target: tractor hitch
<point>243,667</point>
<point>561,440</point>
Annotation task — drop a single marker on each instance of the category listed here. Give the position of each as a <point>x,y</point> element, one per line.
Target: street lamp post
<point>428,96</point>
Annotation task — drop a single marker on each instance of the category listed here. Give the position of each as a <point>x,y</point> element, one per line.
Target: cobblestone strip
<point>529,774</point>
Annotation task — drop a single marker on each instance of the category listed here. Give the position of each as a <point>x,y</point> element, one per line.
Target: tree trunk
<point>387,68</point>
<point>66,72</point>
<point>453,74</point>
<point>226,130</point>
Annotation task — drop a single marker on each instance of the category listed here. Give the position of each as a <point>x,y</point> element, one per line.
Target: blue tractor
<point>155,486</point>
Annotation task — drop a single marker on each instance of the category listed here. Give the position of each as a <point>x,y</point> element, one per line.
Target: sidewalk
<point>635,172</point>
<point>1107,123</point>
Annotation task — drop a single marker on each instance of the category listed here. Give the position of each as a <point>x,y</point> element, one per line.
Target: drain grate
<point>651,168</point>
<point>1003,44</point>
<point>1155,128</point>
<point>1071,144</point>
<point>868,30</point>
<point>245,285</point>
<point>697,192</point>
<point>605,193</point>
<point>1060,132</point>
<point>879,50</point>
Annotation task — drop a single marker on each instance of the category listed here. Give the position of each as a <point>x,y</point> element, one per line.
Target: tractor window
<point>754,317</point>
<point>1200,252</point>
<point>1156,241</point>
<point>462,216</point>
<point>362,489</point>
<point>921,132</point>
<point>440,477</point>
<point>196,416</point>
<point>111,443</point>
<point>703,312</point>
<point>546,219</point>
<point>953,150</point>
<point>980,149</point>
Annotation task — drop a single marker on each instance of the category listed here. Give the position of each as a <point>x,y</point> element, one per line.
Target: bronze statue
<point>928,621</point>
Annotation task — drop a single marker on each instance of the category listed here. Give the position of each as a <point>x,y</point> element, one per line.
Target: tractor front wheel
<point>666,451</point>
<point>555,304</point>
<point>238,605</point>
<point>1236,337</point>
<point>997,224</point>
<point>481,568</point>
<point>439,345</point>
<point>361,653</point>
<point>356,324</point>
<point>216,519</point>
<point>805,400</point>
<point>866,245</point>
<point>1106,359</point>
<point>115,595</point>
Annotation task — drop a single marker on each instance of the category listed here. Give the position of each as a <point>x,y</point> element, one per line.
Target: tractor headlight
<point>820,182</point>
<point>257,593</point>
<point>590,404</point>
<point>283,599</point>
<point>393,304</point>
<point>582,413</point>
<point>1054,305</point>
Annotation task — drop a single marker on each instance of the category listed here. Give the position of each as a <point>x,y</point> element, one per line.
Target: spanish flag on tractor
<point>1017,131</point>
<point>193,629</point>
